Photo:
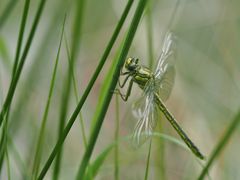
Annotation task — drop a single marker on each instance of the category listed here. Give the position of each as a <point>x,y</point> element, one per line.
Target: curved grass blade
<point>222,143</point>
<point>86,92</point>
<point>94,167</point>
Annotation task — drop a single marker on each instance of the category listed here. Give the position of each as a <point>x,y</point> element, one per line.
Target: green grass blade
<point>86,92</point>
<point>148,161</point>
<point>78,21</point>
<point>5,54</point>
<point>20,36</point>
<point>5,134</point>
<point>108,94</point>
<point>222,143</point>
<point>7,11</point>
<point>149,34</point>
<point>18,160</point>
<point>76,97</point>
<point>3,143</point>
<point>40,59</point>
<point>15,79</point>
<point>116,149</point>
<point>63,114</point>
<point>8,166</point>
<point>40,141</point>
<point>94,167</point>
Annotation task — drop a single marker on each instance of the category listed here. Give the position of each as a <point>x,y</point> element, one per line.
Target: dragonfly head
<point>131,63</point>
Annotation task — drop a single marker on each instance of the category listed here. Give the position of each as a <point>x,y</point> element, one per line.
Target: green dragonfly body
<point>156,86</point>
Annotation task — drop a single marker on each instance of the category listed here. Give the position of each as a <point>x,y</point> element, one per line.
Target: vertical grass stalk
<point>148,161</point>
<point>86,92</point>
<point>76,37</point>
<point>16,77</point>
<point>108,94</point>
<point>40,141</point>
<point>76,96</point>
<point>20,36</point>
<point>116,152</point>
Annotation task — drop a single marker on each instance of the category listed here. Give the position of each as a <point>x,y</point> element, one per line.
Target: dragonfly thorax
<point>140,74</point>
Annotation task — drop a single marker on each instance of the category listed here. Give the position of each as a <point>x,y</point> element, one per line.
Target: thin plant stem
<point>40,141</point>
<point>20,36</point>
<point>148,160</point>
<point>76,96</point>
<point>221,144</point>
<point>17,75</point>
<point>17,158</point>
<point>108,95</point>
<point>3,143</point>
<point>19,44</point>
<point>116,152</point>
<point>8,165</point>
<point>76,37</point>
<point>86,92</point>
<point>149,35</point>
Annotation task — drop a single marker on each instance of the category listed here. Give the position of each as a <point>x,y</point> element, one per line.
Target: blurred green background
<point>204,99</point>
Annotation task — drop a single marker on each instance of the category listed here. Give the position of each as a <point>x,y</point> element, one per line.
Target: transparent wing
<point>167,56</point>
<point>165,70</point>
<point>147,113</point>
<point>164,85</point>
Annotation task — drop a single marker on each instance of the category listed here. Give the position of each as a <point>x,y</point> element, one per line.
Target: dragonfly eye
<point>131,63</point>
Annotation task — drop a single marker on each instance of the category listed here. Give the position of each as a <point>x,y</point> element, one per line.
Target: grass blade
<point>77,97</point>
<point>86,92</point>
<point>40,141</point>
<point>16,77</point>
<point>67,87</point>
<point>5,54</point>
<point>18,160</point>
<point>20,36</point>
<point>108,94</point>
<point>219,147</point>
<point>116,152</point>
<point>19,44</point>
<point>93,169</point>
<point>34,71</point>
<point>148,161</point>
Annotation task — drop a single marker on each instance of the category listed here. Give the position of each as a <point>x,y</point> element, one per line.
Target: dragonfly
<point>156,87</point>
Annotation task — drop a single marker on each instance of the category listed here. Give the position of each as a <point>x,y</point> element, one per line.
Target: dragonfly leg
<point>124,82</point>
<point>126,96</point>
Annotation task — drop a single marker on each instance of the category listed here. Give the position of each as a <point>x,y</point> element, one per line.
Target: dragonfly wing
<point>165,70</point>
<point>167,56</point>
<point>147,113</point>
<point>164,85</point>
